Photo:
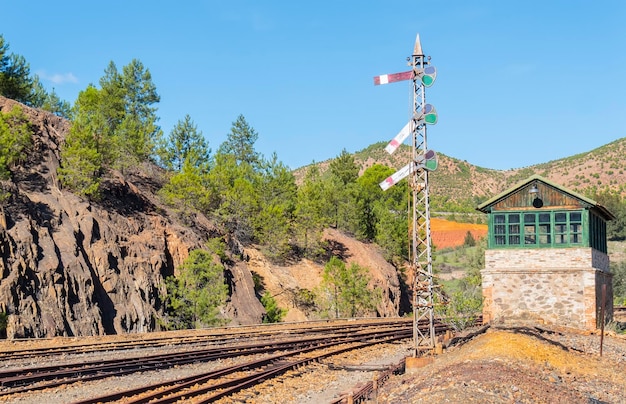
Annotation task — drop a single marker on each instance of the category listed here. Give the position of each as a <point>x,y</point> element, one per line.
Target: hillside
<point>73,267</point>
<point>458,185</point>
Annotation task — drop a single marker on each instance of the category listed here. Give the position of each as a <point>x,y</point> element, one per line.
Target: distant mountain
<point>458,185</point>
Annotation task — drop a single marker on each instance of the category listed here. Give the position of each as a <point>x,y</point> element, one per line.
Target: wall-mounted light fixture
<point>534,192</point>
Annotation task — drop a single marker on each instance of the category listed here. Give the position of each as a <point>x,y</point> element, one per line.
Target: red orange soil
<point>446,233</point>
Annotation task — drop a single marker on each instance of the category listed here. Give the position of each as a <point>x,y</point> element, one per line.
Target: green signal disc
<point>430,119</point>
<point>431,165</point>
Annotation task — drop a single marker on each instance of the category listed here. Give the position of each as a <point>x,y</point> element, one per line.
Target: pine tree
<point>346,289</point>
<point>4,54</point>
<point>127,105</point>
<point>469,240</point>
<point>273,313</point>
<point>392,233</point>
<point>187,189</point>
<point>49,101</point>
<point>195,295</point>
<point>15,81</point>
<point>113,127</point>
<point>240,143</point>
<point>15,138</point>
<point>236,196</point>
<point>277,199</point>
<point>344,167</point>
<point>88,146</point>
<point>185,142</point>
<point>139,130</point>
<point>310,213</point>
<point>369,192</point>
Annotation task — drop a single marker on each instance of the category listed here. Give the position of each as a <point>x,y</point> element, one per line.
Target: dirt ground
<point>523,365</point>
<point>446,233</point>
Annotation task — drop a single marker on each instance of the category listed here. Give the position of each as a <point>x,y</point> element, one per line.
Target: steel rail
<point>270,367</point>
<point>217,335</point>
<point>52,376</point>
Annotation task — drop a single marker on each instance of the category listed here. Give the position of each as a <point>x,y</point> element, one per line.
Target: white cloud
<point>57,78</point>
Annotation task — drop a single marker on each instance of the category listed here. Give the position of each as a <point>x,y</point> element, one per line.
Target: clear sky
<point>519,82</point>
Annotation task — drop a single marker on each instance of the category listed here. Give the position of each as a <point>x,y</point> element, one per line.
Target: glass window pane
<point>575,238</point>
<point>514,218</point>
<point>529,218</point>
<point>560,238</point>
<point>544,218</point>
<point>500,240</point>
<point>560,217</point>
<point>498,218</point>
<point>544,239</point>
<point>544,228</point>
<point>574,228</point>
<point>514,240</point>
<point>514,228</point>
<point>574,216</point>
<point>529,234</point>
<point>560,228</point>
<point>499,229</point>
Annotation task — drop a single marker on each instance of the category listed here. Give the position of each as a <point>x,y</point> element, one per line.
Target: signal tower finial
<point>417,50</point>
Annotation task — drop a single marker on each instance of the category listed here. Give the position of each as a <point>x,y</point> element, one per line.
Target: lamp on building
<point>534,192</point>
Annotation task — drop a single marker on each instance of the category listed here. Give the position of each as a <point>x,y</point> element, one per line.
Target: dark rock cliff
<point>70,267</point>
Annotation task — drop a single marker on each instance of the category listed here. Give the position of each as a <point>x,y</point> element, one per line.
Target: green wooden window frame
<point>538,229</point>
<point>597,232</point>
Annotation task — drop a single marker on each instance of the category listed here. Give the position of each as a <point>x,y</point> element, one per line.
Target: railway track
<point>289,338</point>
<point>276,351</point>
<point>222,336</point>
<point>209,387</point>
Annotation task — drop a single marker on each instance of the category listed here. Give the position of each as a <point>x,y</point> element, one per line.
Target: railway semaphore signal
<point>422,162</point>
<point>429,114</point>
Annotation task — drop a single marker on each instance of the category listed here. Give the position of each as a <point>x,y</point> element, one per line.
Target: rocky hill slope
<point>459,185</point>
<point>71,267</point>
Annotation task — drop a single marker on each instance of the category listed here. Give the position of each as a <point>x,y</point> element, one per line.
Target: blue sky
<point>519,82</point>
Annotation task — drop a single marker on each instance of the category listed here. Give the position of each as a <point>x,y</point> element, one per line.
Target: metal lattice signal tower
<point>422,161</point>
<point>421,259</point>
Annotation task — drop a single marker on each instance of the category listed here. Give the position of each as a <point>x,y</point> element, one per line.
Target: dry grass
<point>520,347</point>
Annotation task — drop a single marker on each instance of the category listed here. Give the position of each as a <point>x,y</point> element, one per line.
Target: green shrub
<point>462,310</point>
<point>3,324</point>
<point>195,295</point>
<point>273,313</point>
<point>15,138</point>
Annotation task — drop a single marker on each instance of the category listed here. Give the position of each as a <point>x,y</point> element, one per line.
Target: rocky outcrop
<point>284,282</point>
<point>383,275</point>
<point>71,267</point>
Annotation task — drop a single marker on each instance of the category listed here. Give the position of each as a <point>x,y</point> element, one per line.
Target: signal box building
<point>547,260</point>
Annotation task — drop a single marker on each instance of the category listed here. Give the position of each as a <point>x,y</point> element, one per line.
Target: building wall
<point>545,286</point>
